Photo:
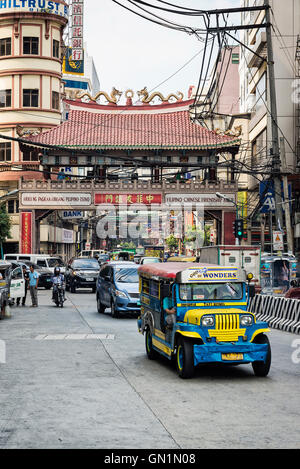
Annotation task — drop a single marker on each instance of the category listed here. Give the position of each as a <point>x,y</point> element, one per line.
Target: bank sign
<point>34,6</point>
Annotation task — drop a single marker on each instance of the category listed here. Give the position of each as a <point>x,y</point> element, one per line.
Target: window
<point>17,274</point>
<point>154,288</point>
<point>5,46</point>
<point>5,151</point>
<point>261,93</point>
<point>30,98</point>
<point>126,275</point>
<point>31,45</point>
<point>30,156</point>
<point>55,50</point>
<point>235,58</point>
<point>218,291</point>
<point>5,98</point>
<point>259,148</point>
<point>11,206</point>
<point>55,100</point>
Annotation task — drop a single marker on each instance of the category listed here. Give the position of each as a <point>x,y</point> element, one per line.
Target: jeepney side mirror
<point>251,291</point>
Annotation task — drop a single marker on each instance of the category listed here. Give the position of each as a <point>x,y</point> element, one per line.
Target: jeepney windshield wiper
<point>231,289</point>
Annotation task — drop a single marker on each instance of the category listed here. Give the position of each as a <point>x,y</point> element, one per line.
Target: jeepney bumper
<point>230,353</point>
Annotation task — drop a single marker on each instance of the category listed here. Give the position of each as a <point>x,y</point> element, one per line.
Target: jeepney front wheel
<point>151,353</point>
<point>261,368</point>
<point>185,358</point>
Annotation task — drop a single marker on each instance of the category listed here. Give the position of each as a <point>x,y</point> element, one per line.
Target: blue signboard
<point>267,196</point>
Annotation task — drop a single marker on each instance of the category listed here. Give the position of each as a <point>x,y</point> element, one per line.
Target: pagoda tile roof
<point>100,127</point>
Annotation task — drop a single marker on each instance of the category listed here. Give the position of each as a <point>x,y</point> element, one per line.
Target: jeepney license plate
<point>232,356</point>
<point>89,279</point>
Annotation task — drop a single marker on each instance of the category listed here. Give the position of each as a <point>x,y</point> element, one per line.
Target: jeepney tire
<point>151,353</point>
<point>48,287</point>
<point>185,358</point>
<point>261,368</point>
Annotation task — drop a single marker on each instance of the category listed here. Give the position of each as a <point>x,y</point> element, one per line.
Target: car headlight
<point>208,321</point>
<point>120,294</point>
<point>246,320</point>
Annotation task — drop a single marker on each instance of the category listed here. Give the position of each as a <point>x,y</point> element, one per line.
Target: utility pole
<point>276,166</point>
<point>288,223</point>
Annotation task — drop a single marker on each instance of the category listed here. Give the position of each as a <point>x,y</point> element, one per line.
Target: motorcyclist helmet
<point>56,271</point>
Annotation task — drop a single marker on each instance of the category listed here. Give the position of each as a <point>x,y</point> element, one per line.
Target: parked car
<point>118,288</point>
<point>150,260</point>
<point>82,273</point>
<point>103,258</point>
<point>42,260</point>
<point>12,286</point>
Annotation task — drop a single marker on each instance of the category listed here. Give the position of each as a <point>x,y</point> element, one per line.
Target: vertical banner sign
<point>26,233</point>
<point>77,30</point>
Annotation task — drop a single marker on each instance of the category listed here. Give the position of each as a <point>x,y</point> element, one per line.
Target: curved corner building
<point>30,79</point>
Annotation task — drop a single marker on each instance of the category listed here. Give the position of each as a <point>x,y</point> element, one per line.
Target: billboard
<point>59,8</point>
<point>73,63</point>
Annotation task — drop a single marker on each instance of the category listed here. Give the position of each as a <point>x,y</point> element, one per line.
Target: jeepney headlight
<point>208,321</point>
<point>246,320</point>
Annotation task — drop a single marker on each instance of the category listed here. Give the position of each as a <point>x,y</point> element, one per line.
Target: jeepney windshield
<point>215,291</point>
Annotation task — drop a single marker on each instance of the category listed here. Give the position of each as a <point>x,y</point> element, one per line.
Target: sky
<point>130,52</point>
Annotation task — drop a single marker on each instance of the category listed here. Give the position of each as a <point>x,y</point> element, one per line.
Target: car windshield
<point>128,275</point>
<point>103,257</point>
<point>86,264</point>
<point>150,260</point>
<point>217,291</point>
<point>55,262</point>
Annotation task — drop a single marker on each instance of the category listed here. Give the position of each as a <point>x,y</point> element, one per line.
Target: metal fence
<point>280,313</point>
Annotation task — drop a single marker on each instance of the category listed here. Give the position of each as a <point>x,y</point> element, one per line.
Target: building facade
<point>255,99</point>
<point>31,89</point>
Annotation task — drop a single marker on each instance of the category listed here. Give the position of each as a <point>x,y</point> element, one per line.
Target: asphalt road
<point>76,379</point>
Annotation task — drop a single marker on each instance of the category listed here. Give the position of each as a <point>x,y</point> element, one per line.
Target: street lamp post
<point>222,196</point>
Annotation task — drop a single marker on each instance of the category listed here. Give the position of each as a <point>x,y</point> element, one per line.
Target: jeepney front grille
<point>227,328</point>
<point>227,322</point>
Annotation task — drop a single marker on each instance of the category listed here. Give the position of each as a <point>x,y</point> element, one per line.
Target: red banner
<point>128,199</point>
<point>26,233</point>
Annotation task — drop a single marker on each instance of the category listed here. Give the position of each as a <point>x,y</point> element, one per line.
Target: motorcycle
<point>59,294</point>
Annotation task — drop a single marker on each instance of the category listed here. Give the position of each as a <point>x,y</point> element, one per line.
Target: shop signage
<point>128,199</point>
<point>34,6</point>
<point>26,233</point>
<point>69,214</point>
<point>67,236</point>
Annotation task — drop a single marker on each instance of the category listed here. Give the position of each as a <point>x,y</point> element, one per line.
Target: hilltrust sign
<point>34,6</point>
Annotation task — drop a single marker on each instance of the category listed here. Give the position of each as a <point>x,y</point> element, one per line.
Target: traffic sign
<point>278,244</point>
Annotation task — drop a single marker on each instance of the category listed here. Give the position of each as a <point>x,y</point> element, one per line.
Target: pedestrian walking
<point>33,286</point>
<point>26,278</point>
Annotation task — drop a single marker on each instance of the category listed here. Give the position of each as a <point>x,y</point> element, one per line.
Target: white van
<point>43,260</point>
<point>92,253</point>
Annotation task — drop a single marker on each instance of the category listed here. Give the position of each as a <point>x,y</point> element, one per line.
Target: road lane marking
<point>75,337</point>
